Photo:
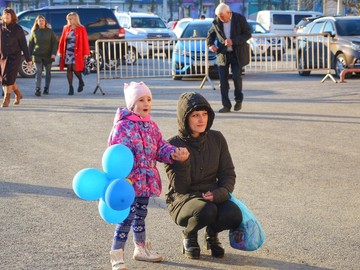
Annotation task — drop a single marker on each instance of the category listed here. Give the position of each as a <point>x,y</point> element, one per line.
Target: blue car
<point>188,55</point>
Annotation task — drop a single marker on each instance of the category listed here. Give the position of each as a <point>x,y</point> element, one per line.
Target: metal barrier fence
<point>189,57</point>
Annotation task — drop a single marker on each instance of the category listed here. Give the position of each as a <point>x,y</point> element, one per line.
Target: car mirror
<point>331,34</point>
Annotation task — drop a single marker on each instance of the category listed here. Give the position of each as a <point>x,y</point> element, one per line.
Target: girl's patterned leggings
<point>135,220</point>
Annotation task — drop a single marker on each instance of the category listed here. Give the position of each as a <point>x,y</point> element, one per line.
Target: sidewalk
<point>295,146</point>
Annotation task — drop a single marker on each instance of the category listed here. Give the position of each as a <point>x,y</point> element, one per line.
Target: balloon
<point>110,215</point>
<point>117,161</point>
<point>90,184</point>
<point>119,194</point>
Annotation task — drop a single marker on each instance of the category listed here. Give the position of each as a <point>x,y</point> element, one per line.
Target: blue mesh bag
<point>249,235</point>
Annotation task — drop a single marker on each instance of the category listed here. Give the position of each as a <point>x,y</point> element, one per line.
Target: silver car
<point>145,29</point>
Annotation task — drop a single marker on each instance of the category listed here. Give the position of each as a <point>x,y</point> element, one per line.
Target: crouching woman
<point>198,193</point>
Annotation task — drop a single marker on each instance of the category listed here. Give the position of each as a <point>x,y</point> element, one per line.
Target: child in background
<point>134,129</point>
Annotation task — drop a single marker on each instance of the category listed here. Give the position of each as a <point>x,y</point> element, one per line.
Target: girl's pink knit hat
<point>134,91</point>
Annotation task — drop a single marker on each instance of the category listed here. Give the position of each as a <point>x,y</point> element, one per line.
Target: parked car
<point>143,26</point>
<point>189,55</point>
<point>344,44</point>
<point>183,63</point>
<point>180,26</point>
<point>100,23</point>
<point>300,27</point>
<point>282,21</point>
<point>270,45</point>
<point>26,70</point>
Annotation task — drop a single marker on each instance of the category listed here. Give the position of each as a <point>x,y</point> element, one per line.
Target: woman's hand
<point>86,56</point>
<point>209,196</point>
<point>180,154</point>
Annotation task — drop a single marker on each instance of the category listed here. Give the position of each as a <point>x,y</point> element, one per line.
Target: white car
<point>264,43</point>
<point>144,26</point>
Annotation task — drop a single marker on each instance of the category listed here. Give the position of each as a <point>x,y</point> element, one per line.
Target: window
<point>282,19</point>
<point>317,28</point>
<point>298,18</point>
<point>28,20</point>
<point>329,28</point>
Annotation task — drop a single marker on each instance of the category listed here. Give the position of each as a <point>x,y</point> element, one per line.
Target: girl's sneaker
<point>145,253</point>
<point>117,259</point>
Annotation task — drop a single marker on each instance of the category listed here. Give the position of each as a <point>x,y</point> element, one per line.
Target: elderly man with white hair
<point>227,37</point>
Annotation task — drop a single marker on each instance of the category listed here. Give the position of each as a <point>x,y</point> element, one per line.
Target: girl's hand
<point>180,154</point>
<point>209,196</point>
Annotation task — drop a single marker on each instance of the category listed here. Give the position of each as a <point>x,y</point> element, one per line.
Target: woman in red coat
<point>73,49</point>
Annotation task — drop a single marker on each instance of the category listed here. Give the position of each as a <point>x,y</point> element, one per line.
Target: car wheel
<point>340,65</point>
<point>131,56</point>
<point>25,70</point>
<point>302,73</point>
<point>91,61</point>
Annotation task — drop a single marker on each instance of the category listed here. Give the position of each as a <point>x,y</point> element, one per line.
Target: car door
<point>315,52</point>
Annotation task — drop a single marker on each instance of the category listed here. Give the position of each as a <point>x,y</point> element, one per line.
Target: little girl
<point>134,129</point>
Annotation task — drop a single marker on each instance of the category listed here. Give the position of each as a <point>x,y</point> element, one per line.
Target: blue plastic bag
<point>249,235</point>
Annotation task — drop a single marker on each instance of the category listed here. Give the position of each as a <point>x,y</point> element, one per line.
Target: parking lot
<point>295,146</point>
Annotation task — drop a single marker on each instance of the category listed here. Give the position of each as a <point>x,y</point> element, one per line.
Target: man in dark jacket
<point>231,31</point>
<point>198,194</point>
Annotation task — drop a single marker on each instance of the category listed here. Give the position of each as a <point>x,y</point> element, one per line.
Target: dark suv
<point>100,23</point>
<point>344,44</point>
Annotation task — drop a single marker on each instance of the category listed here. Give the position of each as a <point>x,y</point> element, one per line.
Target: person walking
<point>134,128</point>
<point>231,31</point>
<point>12,44</point>
<point>43,48</point>
<point>74,50</point>
<point>198,193</point>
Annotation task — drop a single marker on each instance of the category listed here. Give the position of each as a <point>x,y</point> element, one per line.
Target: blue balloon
<point>117,161</point>
<point>90,184</point>
<point>110,215</point>
<point>119,194</point>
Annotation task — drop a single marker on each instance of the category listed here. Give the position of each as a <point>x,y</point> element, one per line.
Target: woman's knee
<point>208,213</point>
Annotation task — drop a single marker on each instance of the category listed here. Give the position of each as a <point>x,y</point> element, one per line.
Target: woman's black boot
<point>81,86</point>
<point>213,243</point>
<point>191,248</point>
<point>71,90</point>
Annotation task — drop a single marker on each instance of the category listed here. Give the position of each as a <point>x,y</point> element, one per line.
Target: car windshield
<point>257,28</point>
<point>193,31</point>
<point>348,27</point>
<point>147,23</point>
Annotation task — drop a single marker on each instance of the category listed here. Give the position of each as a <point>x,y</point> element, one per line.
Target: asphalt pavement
<point>295,145</point>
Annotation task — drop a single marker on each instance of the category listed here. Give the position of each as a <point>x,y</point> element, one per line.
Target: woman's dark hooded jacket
<point>209,167</point>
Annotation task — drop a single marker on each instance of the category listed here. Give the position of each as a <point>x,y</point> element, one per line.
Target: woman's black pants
<point>198,213</point>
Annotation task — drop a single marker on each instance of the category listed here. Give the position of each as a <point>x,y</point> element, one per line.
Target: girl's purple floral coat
<point>144,139</point>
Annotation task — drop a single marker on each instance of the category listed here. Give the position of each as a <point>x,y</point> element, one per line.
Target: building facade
<point>177,9</point>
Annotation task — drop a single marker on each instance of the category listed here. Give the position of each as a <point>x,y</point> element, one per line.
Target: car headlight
<point>355,46</point>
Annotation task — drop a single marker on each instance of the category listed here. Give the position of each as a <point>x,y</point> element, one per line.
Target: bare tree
<point>171,5</point>
<point>153,6</point>
<point>352,5</point>
<point>36,3</point>
<point>130,2</point>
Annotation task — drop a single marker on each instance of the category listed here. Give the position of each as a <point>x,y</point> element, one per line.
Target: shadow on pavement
<point>8,189</point>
